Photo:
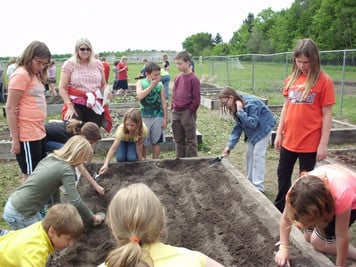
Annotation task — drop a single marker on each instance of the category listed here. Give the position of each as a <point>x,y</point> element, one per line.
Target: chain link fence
<point>264,74</point>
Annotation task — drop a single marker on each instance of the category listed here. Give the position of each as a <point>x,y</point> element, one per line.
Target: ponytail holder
<point>135,239</point>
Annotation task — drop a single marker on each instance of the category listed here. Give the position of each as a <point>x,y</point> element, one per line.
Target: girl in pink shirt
<point>324,200</point>
<point>26,108</point>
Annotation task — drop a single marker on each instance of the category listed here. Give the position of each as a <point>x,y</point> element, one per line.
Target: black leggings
<point>286,164</point>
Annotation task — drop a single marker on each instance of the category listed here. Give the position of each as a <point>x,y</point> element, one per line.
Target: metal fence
<point>264,74</point>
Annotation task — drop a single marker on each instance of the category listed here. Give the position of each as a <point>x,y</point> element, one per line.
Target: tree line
<point>330,23</point>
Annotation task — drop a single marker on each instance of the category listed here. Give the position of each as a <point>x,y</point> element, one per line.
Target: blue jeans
<point>165,81</point>
<point>126,152</point>
<point>53,145</point>
<point>255,162</point>
<point>16,220</point>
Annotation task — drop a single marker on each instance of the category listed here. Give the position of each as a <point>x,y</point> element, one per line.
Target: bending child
<point>137,220</point>
<point>23,206</point>
<point>58,132</point>
<point>128,143</point>
<point>323,202</point>
<point>31,246</point>
<point>254,118</point>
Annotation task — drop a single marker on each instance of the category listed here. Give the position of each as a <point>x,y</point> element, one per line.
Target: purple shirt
<point>186,93</point>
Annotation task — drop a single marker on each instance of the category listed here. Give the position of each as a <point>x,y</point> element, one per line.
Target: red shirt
<point>106,70</point>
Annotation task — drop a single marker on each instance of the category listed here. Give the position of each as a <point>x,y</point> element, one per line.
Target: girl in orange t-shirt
<point>305,120</point>
<point>26,108</point>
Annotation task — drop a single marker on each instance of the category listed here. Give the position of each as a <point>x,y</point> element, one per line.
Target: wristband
<point>283,247</point>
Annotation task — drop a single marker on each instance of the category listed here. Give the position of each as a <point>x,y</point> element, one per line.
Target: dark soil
<point>347,158</point>
<point>207,210</point>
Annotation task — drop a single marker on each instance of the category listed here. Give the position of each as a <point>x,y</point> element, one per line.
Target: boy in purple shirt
<point>185,103</point>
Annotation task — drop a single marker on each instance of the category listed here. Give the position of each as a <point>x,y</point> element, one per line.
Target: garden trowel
<point>216,160</point>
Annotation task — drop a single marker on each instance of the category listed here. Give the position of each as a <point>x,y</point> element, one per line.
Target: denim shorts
<point>16,220</point>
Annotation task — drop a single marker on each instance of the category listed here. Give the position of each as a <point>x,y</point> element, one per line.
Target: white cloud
<point>113,25</point>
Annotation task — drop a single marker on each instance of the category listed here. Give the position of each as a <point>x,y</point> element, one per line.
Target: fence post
<point>253,72</point>
<point>227,71</point>
<point>286,64</point>
<point>342,81</point>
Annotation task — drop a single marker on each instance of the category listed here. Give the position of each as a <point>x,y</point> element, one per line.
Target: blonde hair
<point>75,151</point>
<point>135,217</point>
<point>76,58</point>
<point>307,48</point>
<point>133,114</point>
<point>164,56</point>
<point>64,219</point>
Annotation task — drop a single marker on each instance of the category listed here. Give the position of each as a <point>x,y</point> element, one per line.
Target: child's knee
<point>307,235</point>
<point>317,243</point>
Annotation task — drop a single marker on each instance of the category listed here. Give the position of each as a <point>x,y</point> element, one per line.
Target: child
<point>57,169</point>
<point>137,220</point>
<point>114,69</point>
<point>185,103</point>
<point>128,141</point>
<point>255,119</point>
<point>165,76</point>
<point>26,107</point>
<point>305,120</point>
<point>324,200</point>
<point>51,81</point>
<point>142,73</point>
<point>153,108</point>
<point>32,245</point>
<point>58,132</point>
<point>122,70</point>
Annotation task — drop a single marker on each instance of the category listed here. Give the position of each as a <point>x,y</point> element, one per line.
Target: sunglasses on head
<point>84,49</point>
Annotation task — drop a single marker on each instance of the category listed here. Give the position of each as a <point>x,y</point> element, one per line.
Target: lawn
<point>215,131</point>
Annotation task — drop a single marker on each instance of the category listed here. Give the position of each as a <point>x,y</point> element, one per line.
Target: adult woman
<point>82,86</point>
<point>323,202</point>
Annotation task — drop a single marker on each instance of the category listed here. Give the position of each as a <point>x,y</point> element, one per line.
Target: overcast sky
<point>118,25</point>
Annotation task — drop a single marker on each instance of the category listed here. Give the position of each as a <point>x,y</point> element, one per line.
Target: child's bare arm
<point>91,180</point>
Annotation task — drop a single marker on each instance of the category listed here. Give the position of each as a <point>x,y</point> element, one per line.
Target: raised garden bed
<point>213,210</point>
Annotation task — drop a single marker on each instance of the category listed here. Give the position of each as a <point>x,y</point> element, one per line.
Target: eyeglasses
<point>41,63</point>
<point>84,49</point>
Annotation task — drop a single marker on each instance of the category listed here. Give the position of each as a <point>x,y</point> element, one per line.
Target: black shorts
<point>31,153</point>
<point>329,230</point>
